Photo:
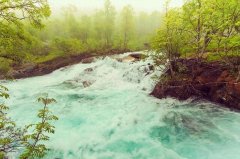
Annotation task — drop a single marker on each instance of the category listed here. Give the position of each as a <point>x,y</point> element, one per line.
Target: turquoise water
<point>115,118</point>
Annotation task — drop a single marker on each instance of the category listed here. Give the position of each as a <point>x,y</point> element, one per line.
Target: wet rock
<point>88,60</point>
<point>144,89</point>
<point>88,70</point>
<point>118,59</point>
<point>128,59</point>
<point>211,81</point>
<point>86,84</point>
<point>138,56</point>
<point>29,67</point>
<point>151,67</point>
<point>70,84</point>
<point>132,58</point>
<point>21,71</point>
<point>13,73</point>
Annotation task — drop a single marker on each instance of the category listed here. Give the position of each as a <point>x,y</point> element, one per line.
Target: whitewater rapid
<point>105,112</point>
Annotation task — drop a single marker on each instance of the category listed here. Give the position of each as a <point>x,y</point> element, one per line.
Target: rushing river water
<point>115,118</point>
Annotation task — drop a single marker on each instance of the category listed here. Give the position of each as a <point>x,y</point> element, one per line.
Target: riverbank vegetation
<point>200,29</point>
<point>200,45</point>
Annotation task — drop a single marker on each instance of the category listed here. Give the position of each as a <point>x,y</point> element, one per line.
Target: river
<point>105,112</point>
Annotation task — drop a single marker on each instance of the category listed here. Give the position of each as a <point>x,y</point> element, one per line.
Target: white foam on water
<point>115,118</point>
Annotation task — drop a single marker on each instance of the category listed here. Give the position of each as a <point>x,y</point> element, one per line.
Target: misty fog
<point>91,5</point>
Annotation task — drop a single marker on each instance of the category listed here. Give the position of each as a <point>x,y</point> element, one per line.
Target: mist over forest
<point>78,26</point>
<point>90,6</point>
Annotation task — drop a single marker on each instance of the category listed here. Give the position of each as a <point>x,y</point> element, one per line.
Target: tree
<point>193,14</point>
<point>127,24</point>
<point>85,29</point>
<point>13,11</point>
<point>109,21</point>
<point>13,138</point>
<point>12,15</point>
<point>199,27</point>
<point>225,23</point>
<point>169,39</point>
<point>98,23</point>
<point>33,142</point>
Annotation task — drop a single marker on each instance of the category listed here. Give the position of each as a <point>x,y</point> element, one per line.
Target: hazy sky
<point>139,5</point>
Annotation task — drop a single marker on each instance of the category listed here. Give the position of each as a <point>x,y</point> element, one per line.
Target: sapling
<point>34,142</point>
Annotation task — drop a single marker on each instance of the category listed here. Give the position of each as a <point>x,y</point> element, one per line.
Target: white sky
<point>89,5</point>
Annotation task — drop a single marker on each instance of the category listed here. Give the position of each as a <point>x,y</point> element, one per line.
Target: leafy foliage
<point>10,135</point>
<point>12,15</point>
<point>200,27</point>
<point>13,139</point>
<point>33,142</point>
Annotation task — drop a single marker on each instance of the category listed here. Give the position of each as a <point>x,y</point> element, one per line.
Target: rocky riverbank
<point>213,81</point>
<point>31,70</point>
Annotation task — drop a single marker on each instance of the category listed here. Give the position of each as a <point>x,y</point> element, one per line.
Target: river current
<point>105,112</point>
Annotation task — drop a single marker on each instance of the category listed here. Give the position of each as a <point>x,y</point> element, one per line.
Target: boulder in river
<point>132,57</point>
<point>88,60</point>
<point>128,59</point>
<point>138,56</point>
<point>87,83</point>
<point>87,70</point>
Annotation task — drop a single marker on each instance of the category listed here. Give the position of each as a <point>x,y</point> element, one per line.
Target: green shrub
<point>69,46</point>
<point>30,139</point>
<point>4,66</point>
<point>213,56</point>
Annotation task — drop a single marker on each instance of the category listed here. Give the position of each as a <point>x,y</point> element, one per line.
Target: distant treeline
<point>72,32</point>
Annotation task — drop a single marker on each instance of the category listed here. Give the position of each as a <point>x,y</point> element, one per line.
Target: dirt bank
<point>31,70</point>
<point>213,81</point>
